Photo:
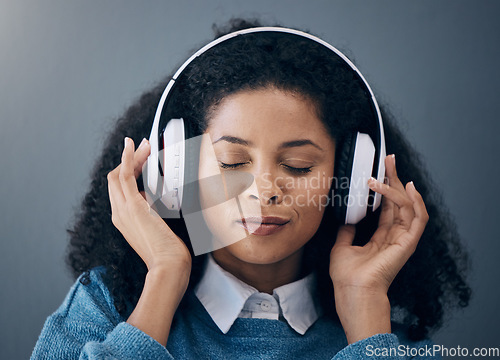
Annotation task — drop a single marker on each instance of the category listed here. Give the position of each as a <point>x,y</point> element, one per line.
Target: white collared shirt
<point>225,297</point>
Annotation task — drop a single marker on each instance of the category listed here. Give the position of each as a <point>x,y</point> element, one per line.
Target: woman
<point>305,286</point>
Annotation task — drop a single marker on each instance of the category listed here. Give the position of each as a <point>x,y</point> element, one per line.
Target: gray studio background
<point>69,68</point>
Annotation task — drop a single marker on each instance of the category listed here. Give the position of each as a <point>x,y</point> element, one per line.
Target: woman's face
<point>276,139</point>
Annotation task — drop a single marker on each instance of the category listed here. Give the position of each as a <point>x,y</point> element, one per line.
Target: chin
<point>253,250</point>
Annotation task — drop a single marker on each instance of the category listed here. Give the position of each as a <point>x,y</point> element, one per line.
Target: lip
<point>263,225</point>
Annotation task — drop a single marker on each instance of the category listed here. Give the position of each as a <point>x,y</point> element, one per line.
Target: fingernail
<point>412,185</point>
<point>393,157</point>
<point>371,181</point>
<point>143,142</point>
<point>125,142</point>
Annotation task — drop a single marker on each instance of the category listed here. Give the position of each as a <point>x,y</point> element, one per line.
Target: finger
<point>398,198</point>
<point>115,193</point>
<point>387,213</point>
<point>421,218</point>
<point>114,186</point>
<point>403,212</point>
<point>140,156</point>
<point>391,178</point>
<point>391,173</point>
<point>345,235</point>
<point>116,200</point>
<point>126,176</point>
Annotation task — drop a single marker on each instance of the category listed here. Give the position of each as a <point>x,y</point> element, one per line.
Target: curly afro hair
<point>431,281</point>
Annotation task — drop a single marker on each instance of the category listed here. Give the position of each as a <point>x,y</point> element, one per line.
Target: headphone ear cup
<point>362,170</point>
<point>190,162</point>
<point>353,168</point>
<point>342,178</point>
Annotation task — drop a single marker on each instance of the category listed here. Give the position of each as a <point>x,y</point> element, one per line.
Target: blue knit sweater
<point>88,326</point>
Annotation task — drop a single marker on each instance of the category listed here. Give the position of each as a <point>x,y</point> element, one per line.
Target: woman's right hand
<point>165,254</point>
<point>145,231</point>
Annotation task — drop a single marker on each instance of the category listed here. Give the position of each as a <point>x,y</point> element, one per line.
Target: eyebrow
<point>288,144</point>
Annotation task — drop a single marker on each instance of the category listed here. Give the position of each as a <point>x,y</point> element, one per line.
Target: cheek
<point>311,192</point>
<point>310,197</point>
<point>208,175</point>
<point>221,222</point>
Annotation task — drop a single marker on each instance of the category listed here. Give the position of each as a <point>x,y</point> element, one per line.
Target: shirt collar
<point>223,295</point>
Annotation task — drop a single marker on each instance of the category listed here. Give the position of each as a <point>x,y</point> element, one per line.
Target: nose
<point>267,188</point>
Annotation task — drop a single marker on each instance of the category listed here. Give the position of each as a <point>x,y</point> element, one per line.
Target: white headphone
<point>363,158</point>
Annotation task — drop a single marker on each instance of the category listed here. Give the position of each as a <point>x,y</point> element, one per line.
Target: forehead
<point>267,115</point>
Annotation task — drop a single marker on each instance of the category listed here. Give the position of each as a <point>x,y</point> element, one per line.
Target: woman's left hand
<point>361,275</point>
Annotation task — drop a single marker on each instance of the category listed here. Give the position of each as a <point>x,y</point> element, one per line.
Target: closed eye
<point>295,170</point>
<point>230,166</point>
<point>291,169</point>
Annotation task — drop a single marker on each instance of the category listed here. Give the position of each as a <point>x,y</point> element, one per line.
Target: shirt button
<point>265,305</point>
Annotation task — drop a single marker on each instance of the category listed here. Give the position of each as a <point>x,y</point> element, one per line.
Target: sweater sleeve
<point>387,347</point>
<point>87,326</point>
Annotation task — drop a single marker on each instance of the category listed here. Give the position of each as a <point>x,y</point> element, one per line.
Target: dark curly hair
<point>431,281</point>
